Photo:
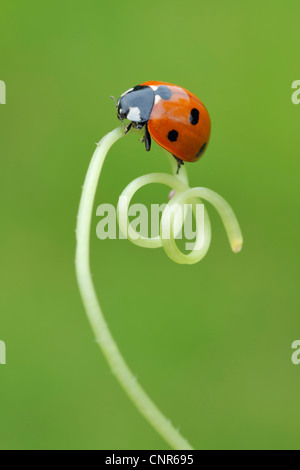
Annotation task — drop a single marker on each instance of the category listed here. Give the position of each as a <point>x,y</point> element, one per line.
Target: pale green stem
<point>103,335</point>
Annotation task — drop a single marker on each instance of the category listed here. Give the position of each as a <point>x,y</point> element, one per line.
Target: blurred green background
<point>211,343</point>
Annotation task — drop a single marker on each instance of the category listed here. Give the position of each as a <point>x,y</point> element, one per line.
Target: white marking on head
<point>154,87</point>
<point>157,99</point>
<point>134,114</point>
<point>125,92</point>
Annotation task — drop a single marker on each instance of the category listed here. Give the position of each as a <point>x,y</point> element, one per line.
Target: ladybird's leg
<point>128,128</point>
<point>143,138</point>
<point>138,125</point>
<point>179,163</point>
<point>147,138</point>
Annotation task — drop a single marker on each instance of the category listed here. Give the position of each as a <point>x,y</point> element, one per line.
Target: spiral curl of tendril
<point>183,194</point>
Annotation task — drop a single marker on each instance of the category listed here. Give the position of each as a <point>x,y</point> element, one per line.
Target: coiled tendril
<point>184,194</point>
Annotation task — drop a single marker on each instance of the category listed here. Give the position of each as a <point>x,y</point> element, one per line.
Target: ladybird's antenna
<point>114,99</point>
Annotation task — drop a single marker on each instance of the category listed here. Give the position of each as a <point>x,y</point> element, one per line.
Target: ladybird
<point>173,116</point>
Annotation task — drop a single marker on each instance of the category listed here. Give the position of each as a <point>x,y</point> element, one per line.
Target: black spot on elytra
<point>201,150</point>
<point>194,116</point>
<point>164,92</point>
<point>173,135</point>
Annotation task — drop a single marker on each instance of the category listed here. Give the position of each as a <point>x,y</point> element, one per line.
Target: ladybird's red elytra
<point>173,116</point>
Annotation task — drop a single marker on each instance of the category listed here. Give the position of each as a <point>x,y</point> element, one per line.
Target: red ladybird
<point>174,117</point>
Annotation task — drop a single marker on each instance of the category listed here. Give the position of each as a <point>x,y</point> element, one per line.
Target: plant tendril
<point>183,194</point>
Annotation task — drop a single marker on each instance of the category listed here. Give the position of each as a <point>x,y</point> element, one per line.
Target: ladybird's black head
<point>123,108</point>
<point>136,104</point>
